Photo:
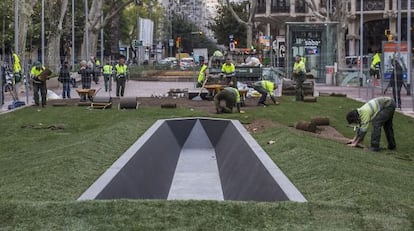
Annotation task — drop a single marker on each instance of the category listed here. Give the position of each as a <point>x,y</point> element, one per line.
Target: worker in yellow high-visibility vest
<point>107,73</point>
<point>202,75</point>
<point>17,69</point>
<point>299,75</point>
<point>231,97</point>
<point>121,76</point>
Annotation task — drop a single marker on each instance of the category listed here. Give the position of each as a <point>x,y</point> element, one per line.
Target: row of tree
<point>117,18</point>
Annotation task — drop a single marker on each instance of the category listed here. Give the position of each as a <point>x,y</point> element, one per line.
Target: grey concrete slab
<point>144,171</point>
<point>232,167</point>
<point>289,189</point>
<point>196,176</point>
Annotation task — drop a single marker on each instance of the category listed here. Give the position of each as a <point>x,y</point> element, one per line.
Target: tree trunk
<point>56,13</point>
<point>249,34</point>
<point>114,36</point>
<point>25,13</point>
<point>92,28</point>
<point>94,24</point>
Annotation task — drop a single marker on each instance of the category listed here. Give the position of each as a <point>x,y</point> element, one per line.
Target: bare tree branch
<point>238,19</point>
<point>116,11</point>
<point>315,10</point>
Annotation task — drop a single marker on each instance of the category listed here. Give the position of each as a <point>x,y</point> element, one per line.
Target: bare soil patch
<point>256,126</point>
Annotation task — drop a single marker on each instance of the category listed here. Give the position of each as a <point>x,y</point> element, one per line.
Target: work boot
<point>374,149</point>
<point>392,148</point>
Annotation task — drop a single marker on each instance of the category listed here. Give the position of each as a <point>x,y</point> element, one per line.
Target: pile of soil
<point>203,105</point>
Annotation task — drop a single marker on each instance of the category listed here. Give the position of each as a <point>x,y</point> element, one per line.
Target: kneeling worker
<point>231,96</point>
<point>264,87</point>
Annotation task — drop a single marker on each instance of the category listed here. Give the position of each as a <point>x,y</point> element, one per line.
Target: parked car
<point>353,61</point>
<point>186,63</point>
<point>169,61</point>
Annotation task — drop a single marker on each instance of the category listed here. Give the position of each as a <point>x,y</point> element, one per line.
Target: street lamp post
<point>102,38</point>
<point>16,27</point>
<point>73,34</point>
<point>361,44</point>
<point>86,30</point>
<point>2,39</point>
<point>137,48</point>
<point>43,32</point>
<point>398,47</point>
<point>409,47</point>
<point>171,35</point>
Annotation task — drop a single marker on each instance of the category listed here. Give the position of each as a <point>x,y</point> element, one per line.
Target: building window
<point>405,2</point>
<point>280,6</point>
<point>300,6</point>
<point>261,7</point>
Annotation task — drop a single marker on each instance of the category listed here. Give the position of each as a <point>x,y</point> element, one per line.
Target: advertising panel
<point>390,51</point>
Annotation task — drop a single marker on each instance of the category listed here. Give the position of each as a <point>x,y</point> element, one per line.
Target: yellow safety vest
<point>299,67</point>
<point>267,85</point>
<point>375,60</point>
<point>107,69</point>
<point>202,75</point>
<point>36,72</point>
<point>369,110</point>
<point>16,64</point>
<point>228,68</point>
<point>235,92</point>
<point>121,69</point>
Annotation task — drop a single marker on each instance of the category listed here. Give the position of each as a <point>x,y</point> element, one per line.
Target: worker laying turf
<point>231,96</point>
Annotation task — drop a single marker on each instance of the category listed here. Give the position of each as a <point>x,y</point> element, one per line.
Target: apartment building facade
<point>285,20</point>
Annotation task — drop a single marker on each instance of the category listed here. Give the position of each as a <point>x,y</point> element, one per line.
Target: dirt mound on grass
<point>257,125</point>
<point>325,132</point>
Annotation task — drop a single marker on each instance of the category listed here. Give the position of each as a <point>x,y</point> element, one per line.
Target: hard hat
<point>37,64</point>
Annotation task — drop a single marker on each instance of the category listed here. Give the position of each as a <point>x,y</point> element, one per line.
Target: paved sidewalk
<point>157,88</point>
<point>133,89</point>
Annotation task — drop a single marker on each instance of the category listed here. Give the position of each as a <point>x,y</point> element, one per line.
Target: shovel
<point>198,97</point>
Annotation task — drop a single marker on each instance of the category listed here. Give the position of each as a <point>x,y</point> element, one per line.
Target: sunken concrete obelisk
<point>195,159</point>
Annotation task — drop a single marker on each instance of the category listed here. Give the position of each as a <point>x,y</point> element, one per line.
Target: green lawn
<point>44,171</point>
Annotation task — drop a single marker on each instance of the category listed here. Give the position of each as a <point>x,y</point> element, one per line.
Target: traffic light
<point>178,42</point>
<point>388,33</point>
